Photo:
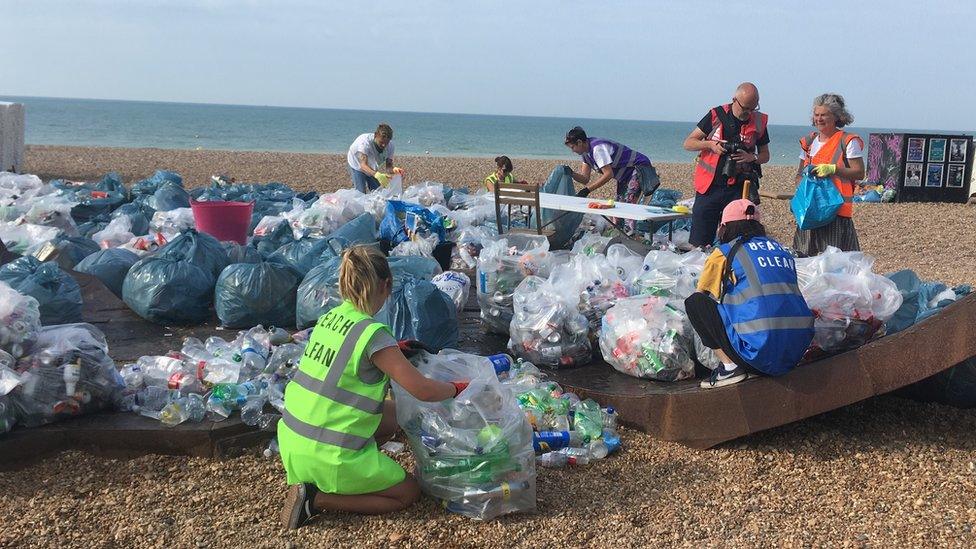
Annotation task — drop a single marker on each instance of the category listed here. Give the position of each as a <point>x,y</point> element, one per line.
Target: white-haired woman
<point>839,155</point>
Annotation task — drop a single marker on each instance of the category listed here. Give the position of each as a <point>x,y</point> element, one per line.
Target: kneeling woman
<point>335,405</point>
<point>748,307</point>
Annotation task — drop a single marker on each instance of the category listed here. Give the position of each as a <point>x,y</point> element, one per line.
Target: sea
<point>111,123</point>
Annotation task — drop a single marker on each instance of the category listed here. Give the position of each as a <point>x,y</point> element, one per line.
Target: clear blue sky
<point>899,63</point>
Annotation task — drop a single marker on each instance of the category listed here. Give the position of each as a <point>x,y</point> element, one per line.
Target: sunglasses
<point>745,108</point>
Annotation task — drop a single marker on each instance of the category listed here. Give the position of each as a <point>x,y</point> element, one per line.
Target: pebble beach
<point>883,472</point>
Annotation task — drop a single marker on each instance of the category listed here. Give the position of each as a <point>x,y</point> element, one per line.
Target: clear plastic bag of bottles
<point>502,264</point>
<point>646,337</point>
<point>68,373</point>
<point>546,330</point>
<point>20,319</point>
<point>474,452</point>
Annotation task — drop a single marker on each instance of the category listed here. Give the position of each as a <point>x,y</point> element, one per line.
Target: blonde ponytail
<point>362,271</point>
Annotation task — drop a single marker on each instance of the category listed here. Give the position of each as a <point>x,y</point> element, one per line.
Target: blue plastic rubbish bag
<point>418,310</point>
<point>240,254</point>
<point>816,201</point>
<point>318,293</point>
<point>248,294</point>
<point>198,248</point>
<point>168,289</point>
<point>404,216</point>
<point>303,254</point>
<point>560,182</point>
<point>58,295</point>
<point>109,266</point>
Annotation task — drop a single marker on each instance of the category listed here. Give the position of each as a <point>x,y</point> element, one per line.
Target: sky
<point>898,63</point>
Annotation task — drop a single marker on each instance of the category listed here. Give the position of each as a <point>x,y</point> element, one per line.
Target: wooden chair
<point>526,197</point>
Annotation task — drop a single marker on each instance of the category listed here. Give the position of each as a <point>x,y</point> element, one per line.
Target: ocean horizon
<point>151,124</point>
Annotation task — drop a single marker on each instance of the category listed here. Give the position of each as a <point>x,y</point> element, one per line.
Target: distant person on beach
<point>748,307</point>
<point>633,171</point>
<point>503,173</point>
<point>336,410</point>
<point>732,142</point>
<point>371,154</point>
<point>838,155</point>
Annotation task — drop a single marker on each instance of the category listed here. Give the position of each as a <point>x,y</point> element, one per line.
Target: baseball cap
<point>740,210</point>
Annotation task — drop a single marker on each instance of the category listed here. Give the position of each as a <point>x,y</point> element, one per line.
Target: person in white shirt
<point>370,154</point>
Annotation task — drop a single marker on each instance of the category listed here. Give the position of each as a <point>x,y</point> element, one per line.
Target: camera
<point>730,147</point>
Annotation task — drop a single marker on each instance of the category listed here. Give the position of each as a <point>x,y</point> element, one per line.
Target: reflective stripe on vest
<point>323,435</point>
<point>329,387</point>
<point>756,288</point>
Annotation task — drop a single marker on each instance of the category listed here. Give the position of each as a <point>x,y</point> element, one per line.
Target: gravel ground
<point>884,472</point>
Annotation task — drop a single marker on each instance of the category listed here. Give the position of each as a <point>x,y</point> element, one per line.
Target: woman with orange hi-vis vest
<point>839,155</point>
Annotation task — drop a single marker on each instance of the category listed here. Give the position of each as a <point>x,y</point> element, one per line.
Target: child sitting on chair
<point>503,173</point>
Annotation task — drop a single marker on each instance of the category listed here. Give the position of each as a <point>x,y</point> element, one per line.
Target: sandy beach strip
<point>936,240</point>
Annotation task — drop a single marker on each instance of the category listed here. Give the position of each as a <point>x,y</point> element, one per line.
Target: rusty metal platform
<point>680,412</point>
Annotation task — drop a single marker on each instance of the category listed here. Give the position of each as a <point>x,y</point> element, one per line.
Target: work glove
<point>410,347</point>
<point>398,171</point>
<point>459,386</point>
<point>824,170</point>
<point>583,193</point>
<point>383,178</point>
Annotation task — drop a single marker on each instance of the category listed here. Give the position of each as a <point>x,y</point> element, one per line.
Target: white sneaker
<point>721,377</point>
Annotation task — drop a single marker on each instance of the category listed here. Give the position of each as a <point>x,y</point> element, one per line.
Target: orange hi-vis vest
<point>834,151</point>
<point>707,161</point>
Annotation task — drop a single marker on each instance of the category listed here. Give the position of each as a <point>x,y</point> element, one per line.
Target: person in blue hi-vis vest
<point>748,306</point>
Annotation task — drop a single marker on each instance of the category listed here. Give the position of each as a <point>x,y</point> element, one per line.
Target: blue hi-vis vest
<point>766,318</point>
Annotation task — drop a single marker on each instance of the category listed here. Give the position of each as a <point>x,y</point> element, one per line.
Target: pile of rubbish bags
<point>216,378</point>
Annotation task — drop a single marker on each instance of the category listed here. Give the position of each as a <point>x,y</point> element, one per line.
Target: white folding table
<point>623,210</point>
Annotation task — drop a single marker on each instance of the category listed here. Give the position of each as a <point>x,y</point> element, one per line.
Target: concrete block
<point>11,137</point>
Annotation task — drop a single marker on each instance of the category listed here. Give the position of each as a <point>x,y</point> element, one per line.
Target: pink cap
<point>740,210</point>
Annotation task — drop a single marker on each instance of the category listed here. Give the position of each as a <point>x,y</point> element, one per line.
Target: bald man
<point>732,143</point>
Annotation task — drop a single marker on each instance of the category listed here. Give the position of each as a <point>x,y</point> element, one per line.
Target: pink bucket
<point>223,220</point>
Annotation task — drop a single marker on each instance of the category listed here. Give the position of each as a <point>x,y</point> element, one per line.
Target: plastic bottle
<point>554,460</point>
<point>588,419</point>
<point>577,456</point>
<point>252,409</point>
<point>598,449</point>
<point>132,376</point>
<point>610,419</point>
<point>272,449</point>
<point>157,370</point>
<point>72,374</point>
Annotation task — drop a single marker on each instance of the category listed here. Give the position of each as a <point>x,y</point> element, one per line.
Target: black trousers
<point>703,313</point>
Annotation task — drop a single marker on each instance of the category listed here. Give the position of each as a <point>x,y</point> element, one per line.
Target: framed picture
<point>955,175</point>
<point>957,150</point>
<point>933,175</point>
<point>913,174</point>
<point>937,150</point>
<point>916,149</point>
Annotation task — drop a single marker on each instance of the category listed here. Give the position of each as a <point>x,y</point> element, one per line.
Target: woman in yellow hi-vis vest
<point>335,406</point>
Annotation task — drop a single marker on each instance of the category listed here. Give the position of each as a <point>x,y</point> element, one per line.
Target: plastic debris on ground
<point>851,303</point>
<point>215,379</point>
<point>473,452</point>
<point>566,430</point>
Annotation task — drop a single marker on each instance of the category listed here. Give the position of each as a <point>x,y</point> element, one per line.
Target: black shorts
<point>705,319</point>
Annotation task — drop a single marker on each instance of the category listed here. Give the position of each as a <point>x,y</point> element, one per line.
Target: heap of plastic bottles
<point>566,430</point>
<point>216,378</point>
